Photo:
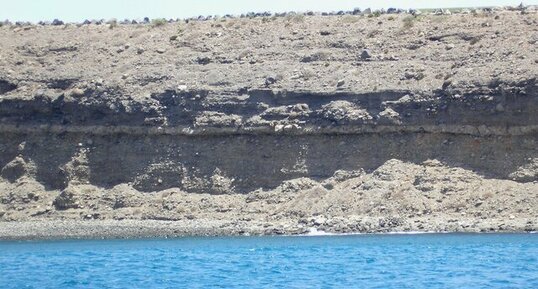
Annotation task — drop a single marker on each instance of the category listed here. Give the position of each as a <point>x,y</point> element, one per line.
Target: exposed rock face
<point>273,121</point>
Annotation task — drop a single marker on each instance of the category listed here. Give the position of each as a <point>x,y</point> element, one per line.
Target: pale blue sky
<point>78,10</point>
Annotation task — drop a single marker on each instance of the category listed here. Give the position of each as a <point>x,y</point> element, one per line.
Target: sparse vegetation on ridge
<point>112,23</point>
<point>408,22</point>
<point>158,22</point>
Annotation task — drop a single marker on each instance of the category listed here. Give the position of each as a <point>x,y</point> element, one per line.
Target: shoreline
<point>143,229</point>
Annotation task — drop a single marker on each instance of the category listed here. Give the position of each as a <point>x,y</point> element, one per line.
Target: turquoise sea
<point>357,261</point>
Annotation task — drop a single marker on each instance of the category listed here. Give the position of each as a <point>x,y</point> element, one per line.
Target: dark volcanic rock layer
<point>258,139</point>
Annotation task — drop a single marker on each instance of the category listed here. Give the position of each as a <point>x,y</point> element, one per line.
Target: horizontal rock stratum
<point>270,125</point>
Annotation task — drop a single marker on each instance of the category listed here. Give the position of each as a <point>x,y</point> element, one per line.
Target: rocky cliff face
<point>286,118</point>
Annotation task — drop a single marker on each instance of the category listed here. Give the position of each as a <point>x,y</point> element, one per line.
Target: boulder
<point>57,22</point>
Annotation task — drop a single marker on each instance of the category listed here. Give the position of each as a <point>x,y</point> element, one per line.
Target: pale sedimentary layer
<point>433,130</point>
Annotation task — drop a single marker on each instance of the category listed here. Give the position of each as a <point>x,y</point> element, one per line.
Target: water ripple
<point>358,261</point>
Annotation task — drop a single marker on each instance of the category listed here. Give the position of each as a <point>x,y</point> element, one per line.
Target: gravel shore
<point>123,229</point>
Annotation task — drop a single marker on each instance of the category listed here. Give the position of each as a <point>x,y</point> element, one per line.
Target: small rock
<point>391,58</point>
<point>414,12</point>
<point>173,37</point>
<point>40,93</point>
<point>161,50</point>
<point>77,92</point>
<point>140,50</point>
<point>319,220</point>
<point>447,83</point>
<point>340,83</point>
<point>450,46</point>
<point>270,80</point>
<point>365,55</point>
<point>57,22</point>
<point>390,114</point>
<point>203,60</point>
<point>414,75</point>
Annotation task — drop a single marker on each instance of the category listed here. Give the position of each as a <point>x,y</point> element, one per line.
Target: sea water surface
<point>358,261</point>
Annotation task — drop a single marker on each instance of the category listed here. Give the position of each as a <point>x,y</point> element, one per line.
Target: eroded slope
<point>274,122</point>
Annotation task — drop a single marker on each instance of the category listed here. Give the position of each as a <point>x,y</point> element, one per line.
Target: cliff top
<point>324,54</point>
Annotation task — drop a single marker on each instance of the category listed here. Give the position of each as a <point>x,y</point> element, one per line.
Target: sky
<point>79,10</point>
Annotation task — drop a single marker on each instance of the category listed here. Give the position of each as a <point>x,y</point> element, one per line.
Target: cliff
<point>275,123</point>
